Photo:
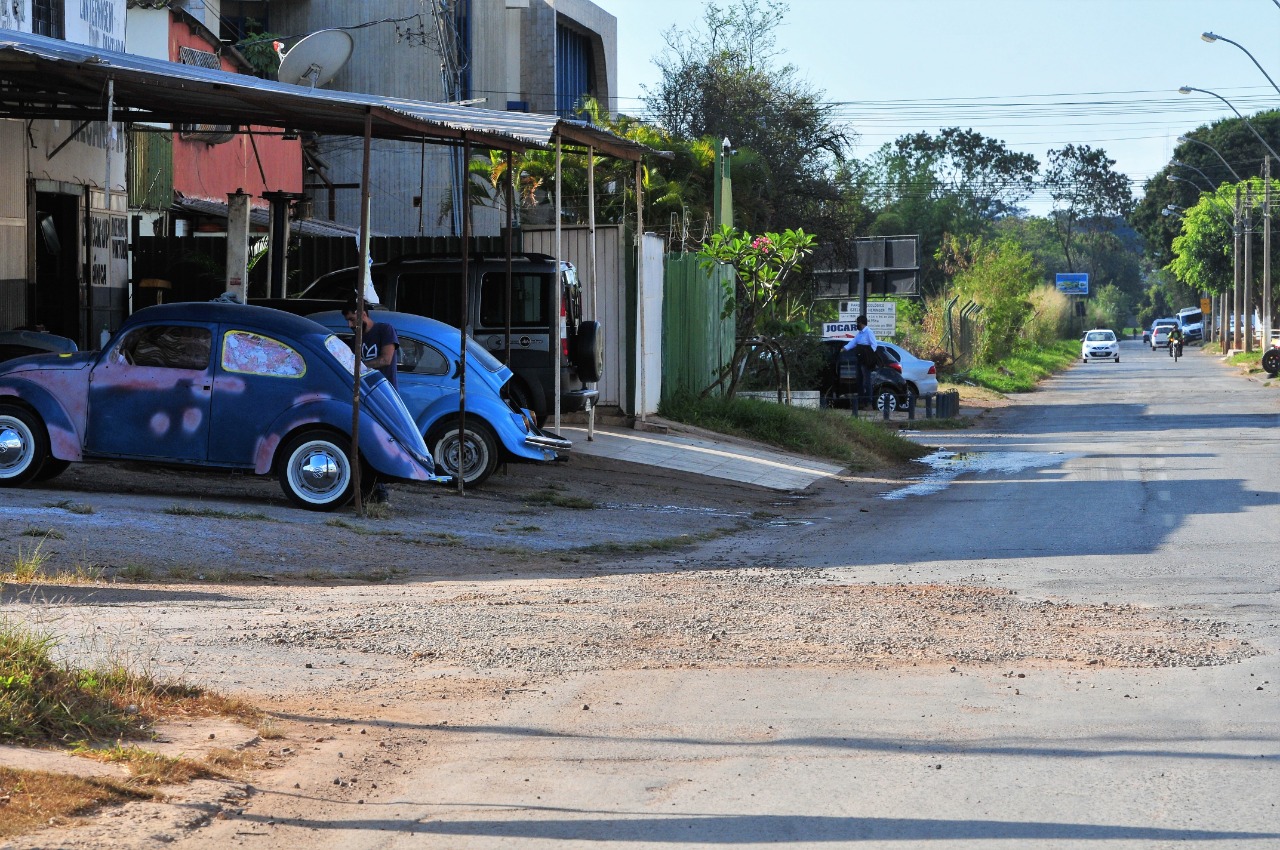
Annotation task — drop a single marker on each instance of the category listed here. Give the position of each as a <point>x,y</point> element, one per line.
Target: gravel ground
<point>515,584</point>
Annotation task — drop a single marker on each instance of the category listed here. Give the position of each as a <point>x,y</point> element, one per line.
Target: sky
<point>1037,74</point>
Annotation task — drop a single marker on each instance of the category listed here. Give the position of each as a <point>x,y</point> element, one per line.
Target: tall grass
<point>45,701</point>
<point>859,443</point>
<point>1027,366</point>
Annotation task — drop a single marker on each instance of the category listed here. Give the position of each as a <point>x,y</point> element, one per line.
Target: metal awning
<point>261,217</point>
<point>44,77</point>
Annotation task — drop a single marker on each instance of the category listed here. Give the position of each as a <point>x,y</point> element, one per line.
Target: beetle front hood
<point>46,362</point>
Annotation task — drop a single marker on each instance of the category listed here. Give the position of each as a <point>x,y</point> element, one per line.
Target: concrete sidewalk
<point>732,461</point>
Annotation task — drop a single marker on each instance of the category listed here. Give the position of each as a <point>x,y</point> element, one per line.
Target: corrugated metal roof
<point>262,217</point>
<point>49,78</point>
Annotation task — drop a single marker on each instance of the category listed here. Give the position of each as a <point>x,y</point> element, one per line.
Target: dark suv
<point>431,286</point>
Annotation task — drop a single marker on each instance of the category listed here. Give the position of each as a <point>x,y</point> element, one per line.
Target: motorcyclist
<point>1175,338</point>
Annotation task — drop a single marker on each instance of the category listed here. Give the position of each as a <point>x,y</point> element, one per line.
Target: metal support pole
<point>558,298</point>
<point>591,266</point>
<point>466,314</point>
<point>640,285</point>
<point>354,456</point>
<point>1247,315</point>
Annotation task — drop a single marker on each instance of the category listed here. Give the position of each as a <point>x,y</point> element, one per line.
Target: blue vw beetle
<point>428,380</point>
<point>210,385</point>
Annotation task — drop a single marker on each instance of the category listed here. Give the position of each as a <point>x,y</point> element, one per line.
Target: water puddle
<point>948,466</point>
<point>675,509</point>
<point>788,523</point>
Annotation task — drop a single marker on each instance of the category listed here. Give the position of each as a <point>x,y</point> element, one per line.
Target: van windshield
<point>1191,318</point>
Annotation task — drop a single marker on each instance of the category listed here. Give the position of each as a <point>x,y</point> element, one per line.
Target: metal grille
<point>46,18</point>
<point>202,58</point>
<point>573,70</point>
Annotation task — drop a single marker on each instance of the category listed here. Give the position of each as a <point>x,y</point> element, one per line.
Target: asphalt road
<point>1146,482</point>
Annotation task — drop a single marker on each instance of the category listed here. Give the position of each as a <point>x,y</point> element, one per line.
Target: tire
<point>479,448</point>
<point>886,399</point>
<point>1271,361</point>
<point>315,471</point>
<point>588,352</point>
<point>24,446</point>
<point>1117,358</point>
<point>52,469</point>
<point>521,397</point>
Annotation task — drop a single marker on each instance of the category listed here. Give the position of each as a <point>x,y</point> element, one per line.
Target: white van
<point>1191,320</point>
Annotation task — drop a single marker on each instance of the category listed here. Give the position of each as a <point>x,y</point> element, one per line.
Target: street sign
<point>1206,305</point>
<point>882,318</point>
<point>1073,283</point>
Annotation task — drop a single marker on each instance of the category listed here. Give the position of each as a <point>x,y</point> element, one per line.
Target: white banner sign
<point>882,318</point>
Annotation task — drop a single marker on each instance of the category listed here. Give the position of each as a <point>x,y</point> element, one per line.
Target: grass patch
<point>1249,361</point>
<point>1022,370</point>
<point>43,701</point>
<point>28,565</point>
<point>32,799</point>
<point>832,434</point>
<point>149,768</point>
<point>70,507</point>
<point>551,497</point>
<point>661,544</point>
<point>46,533</point>
<point>214,513</point>
<point>135,572</point>
<point>339,522</point>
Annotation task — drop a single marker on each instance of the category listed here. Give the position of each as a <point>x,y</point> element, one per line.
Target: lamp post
<point>1185,139</point>
<point>1178,164</point>
<point>1173,178</point>
<point>1248,123</point>
<point>1212,37</point>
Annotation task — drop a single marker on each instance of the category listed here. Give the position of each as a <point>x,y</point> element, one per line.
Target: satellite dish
<point>316,59</point>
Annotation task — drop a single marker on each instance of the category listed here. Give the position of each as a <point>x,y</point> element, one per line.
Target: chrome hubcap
<point>15,447</point>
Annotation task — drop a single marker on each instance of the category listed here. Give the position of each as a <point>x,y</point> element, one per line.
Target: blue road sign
<point>1073,283</point>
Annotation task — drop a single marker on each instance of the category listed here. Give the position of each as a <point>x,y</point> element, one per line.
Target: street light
<point>1190,89</point>
<point>1173,178</point>
<point>1196,170</point>
<point>1185,139</point>
<point>1212,37</point>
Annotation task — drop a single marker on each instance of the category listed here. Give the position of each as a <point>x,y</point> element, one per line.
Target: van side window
<point>435,296</point>
<point>530,302</point>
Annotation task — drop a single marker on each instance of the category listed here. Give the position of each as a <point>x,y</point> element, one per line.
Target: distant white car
<point>921,375</point>
<point>1100,345</point>
<point>1160,336</point>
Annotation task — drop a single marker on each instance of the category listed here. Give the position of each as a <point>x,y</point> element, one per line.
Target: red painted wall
<point>214,171</point>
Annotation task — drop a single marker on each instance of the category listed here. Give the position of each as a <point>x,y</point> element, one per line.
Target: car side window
<point>167,347</point>
<point>530,294</point>
<point>255,354</point>
<point>421,359</point>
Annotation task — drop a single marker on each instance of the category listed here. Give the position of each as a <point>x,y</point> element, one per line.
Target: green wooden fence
<point>696,341</point>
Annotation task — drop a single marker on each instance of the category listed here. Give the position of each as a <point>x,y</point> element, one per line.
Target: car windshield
<point>1101,336</point>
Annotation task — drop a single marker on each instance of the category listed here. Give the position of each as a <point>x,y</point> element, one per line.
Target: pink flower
<point>761,243</point>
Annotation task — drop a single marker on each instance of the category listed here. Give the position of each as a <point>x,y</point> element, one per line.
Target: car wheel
<point>588,352</point>
<point>886,399</point>
<point>315,471</point>
<point>24,446</point>
<point>478,449</point>
<point>1117,358</point>
<point>1271,361</point>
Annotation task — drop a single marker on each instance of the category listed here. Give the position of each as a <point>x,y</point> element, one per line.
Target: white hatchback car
<point>1100,345</point>
<point>921,375</point>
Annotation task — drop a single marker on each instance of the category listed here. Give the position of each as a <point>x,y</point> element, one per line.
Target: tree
<point>762,265</point>
<point>1230,137</point>
<point>999,275</point>
<point>1088,196</point>
<point>724,81</point>
<point>985,178</point>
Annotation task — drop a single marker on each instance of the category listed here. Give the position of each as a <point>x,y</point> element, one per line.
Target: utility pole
<point>1247,315</point>
<point>1236,267</point>
<point>1266,254</point>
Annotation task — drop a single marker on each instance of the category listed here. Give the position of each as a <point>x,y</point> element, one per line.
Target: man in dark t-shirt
<point>381,347</point>
<point>380,342</point>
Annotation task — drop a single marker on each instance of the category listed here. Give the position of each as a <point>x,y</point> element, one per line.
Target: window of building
<point>574,63</point>
<point>46,18</point>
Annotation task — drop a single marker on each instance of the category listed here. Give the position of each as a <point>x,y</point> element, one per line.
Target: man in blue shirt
<point>864,345</point>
